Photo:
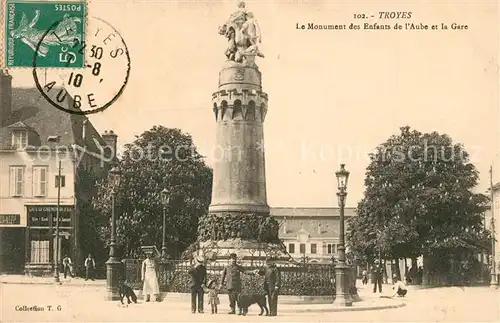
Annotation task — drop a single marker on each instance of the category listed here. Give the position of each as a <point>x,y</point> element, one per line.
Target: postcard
<point>199,161</point>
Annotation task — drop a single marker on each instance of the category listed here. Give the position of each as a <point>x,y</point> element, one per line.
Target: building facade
<point>311,234</point>
<point>37,141</point>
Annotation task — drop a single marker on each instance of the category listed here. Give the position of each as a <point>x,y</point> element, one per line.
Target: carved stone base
<point>246,251</point>
<point>238,226</point>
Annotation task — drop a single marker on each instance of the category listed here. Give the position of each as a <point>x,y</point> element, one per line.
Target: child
<point>365,277</point>
<point>213,298</point>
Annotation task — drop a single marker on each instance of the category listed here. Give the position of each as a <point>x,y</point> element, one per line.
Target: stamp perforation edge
<point>3,36</point>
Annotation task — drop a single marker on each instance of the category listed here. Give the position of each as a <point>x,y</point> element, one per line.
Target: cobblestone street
<point>86,304</point>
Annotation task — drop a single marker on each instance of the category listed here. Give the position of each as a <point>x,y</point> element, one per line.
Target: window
<point>302,248</point>
<point>330,248</point>
<point>313,248</point>
<point>19,139</point>
<point>40,246</point>
<point>39,181</point>
<point>63,180</point>
<point>17,181</point>
<point>291,248</point>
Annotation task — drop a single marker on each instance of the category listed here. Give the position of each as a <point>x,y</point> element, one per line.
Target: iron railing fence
<point>296,279</point>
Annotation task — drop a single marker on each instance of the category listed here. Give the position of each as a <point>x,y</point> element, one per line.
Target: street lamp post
<point>343,297</point>
<point>165,199</point>
<point>494,281</point>
<point>113,264</point>
<point>53,140</point>
<point>56,263</point>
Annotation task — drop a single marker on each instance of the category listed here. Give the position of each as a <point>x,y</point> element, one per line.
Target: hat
<point>200,259</point>
<point>233,256</point>
<point>377,261</point>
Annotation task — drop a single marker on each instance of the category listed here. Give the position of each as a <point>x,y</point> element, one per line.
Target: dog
<point>246,300</point>
<point>127,291</point>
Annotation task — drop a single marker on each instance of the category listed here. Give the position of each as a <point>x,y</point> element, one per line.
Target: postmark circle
<point>99,84</point>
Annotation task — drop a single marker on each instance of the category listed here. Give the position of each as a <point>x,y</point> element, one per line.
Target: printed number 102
<point>359,16</point>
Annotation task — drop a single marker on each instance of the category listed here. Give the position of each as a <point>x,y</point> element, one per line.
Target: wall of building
<point>27,221</point>
<point>9,204</point>
<point>315,229</point>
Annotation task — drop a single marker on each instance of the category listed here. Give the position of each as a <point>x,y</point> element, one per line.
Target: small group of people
<point>377,274</point>
<point>231,279</point>
<point>69,271</point>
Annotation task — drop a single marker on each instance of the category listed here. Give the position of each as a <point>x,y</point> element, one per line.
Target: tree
<point>419,199</point>
<point>159,158</point>
<point>91,222</point>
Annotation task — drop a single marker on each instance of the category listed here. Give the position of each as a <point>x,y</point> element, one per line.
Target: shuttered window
<point>17,181</point>
<point>40,181</point>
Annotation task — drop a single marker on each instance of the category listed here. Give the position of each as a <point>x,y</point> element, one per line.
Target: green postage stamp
<point>54,30</point>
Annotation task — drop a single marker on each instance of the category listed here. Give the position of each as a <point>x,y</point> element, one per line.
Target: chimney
<point>110,138</point>
<point>84,131</point>
<point>5,97</point>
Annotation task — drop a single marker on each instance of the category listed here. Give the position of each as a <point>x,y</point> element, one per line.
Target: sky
<point>334,95</point>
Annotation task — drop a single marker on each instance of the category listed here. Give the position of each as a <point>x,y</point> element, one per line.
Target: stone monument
<point>238,219</point>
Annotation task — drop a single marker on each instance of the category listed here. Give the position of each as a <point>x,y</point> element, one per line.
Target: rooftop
<point>31,110</point>
<point>312,211</point>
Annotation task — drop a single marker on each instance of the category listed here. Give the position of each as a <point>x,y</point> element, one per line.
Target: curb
<point>53,283</point>
<point>343,309</point>
<point>291,308</point>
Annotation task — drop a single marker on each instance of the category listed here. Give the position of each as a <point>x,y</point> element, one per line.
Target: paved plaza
<point>84,303</point>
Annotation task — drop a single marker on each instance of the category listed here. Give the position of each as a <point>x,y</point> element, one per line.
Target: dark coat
<point>232,273</point>
<point>198,276</point>
<point>377,272</point>
<point>272,278</point>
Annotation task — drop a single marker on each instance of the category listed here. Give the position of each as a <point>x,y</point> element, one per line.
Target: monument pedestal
<point>248,252</point>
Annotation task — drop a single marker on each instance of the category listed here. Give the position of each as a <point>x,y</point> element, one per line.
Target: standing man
<point>67,266</point>
<point>89,267</point>
<point>377,273</point>
<point>198,282</point>
<point>272,285</point>
<point>233,284</point>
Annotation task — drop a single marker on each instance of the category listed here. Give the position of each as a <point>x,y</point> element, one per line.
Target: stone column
<point>239,178</point>
<point>239,106</point>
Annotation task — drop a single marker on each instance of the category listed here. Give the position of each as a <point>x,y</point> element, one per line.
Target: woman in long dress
<point>150,277</point>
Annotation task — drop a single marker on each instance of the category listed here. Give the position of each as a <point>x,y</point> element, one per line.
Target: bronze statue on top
<point>243,34</point>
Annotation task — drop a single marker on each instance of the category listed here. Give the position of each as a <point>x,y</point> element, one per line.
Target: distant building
<point>311,233</point>
<point>34,137</point>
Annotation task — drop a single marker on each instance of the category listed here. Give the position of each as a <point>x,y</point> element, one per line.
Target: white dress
<point>151,285</point>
